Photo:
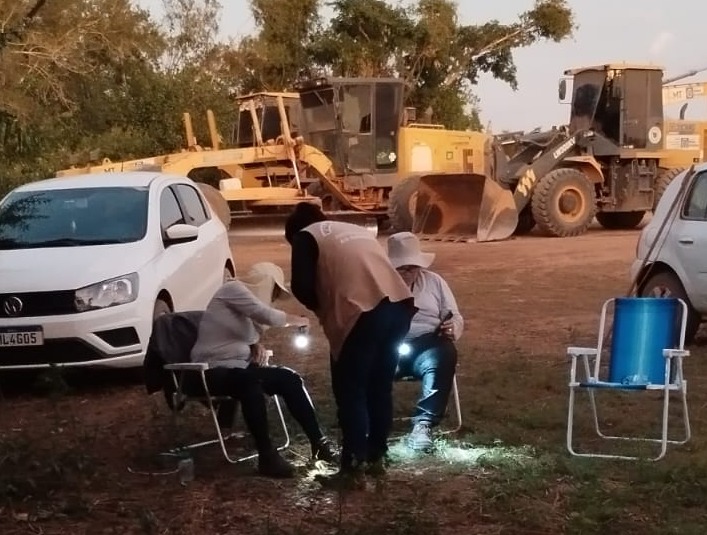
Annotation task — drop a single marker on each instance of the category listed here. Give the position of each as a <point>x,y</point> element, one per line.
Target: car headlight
<point>112,292</point>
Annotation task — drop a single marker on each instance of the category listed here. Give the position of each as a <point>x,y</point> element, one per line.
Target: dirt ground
<point>69,449</point>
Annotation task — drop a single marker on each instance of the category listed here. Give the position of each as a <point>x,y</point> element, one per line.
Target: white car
<point>677,266</point>
<point>87,263</point>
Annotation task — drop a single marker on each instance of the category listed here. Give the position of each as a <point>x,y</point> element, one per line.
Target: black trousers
<point>249,386</point>
<point>362,381</point>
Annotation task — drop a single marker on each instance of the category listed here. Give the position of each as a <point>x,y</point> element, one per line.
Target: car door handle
<point>686,241</point>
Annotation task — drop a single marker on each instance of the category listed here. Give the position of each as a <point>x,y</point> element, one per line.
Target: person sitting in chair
<point>229,340</point>
<point>428,353</point>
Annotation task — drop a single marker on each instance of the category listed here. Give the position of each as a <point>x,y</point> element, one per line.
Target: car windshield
<point>73,217</point>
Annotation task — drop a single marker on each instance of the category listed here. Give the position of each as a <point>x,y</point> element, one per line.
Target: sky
<point>639,31</point>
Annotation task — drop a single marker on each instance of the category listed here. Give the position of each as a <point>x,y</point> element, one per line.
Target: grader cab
<point>381,158</point>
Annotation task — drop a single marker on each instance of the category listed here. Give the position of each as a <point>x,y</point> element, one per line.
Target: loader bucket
<point>464,207</point>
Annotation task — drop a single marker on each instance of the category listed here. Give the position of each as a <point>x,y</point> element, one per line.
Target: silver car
<point>675,264</point>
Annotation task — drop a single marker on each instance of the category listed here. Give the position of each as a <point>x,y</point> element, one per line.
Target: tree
<point>61,40</point>
<point>82,79</point>
<point>191,28</point>
<point>279,54</point>
<point>46,50</point>
<point>439,58</point>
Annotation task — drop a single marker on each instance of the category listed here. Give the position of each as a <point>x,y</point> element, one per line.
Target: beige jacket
<point>354,274</point>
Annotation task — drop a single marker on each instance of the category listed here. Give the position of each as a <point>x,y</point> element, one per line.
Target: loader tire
<point>620,220</point>
<point>401,204</point>
<point>663,181</point>
<point>564,203</point>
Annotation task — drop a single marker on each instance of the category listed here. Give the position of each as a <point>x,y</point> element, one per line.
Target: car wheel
<point>667,284</point>
<point>161,307</point>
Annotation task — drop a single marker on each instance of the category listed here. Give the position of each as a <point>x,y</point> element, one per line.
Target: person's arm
<point>237,297</point>
<point>449,304</point>
<point>305,253</point>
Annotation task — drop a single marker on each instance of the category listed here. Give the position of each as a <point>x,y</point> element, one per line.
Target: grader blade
<point>466,207</point>
<point>273,225</point>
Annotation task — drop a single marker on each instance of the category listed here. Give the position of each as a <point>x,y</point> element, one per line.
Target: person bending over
<point>229,338</point>
<point>430,354</point>
<point>342,274</point>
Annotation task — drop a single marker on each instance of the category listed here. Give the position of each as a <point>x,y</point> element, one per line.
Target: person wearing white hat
<point>229,339</point>
<point>428,352</point>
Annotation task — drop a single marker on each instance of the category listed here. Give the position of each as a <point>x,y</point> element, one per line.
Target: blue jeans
<point>362,380</point>
<point>433,361</point>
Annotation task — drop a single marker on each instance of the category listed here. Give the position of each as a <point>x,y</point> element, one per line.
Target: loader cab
<point>354,122</point>
<point>259,118</point>
<point>623,103</point>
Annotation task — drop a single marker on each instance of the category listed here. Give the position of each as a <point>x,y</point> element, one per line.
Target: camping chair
<point>457,405</point>
<point>188,382</point>
<point>646,354</point>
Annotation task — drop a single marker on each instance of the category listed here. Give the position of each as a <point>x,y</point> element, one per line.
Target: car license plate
<point>21,336</point>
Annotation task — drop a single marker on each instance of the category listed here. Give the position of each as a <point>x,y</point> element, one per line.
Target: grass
<point>506,472</point>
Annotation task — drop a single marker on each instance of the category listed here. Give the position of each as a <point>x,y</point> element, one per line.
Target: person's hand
<point>298,321</point>
<point>447,329</point>
<point>259,354</point>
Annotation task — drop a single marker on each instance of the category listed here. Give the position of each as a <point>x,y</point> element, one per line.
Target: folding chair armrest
<point>574,351</point>
<point>188,366</point>
<point>675,353</point>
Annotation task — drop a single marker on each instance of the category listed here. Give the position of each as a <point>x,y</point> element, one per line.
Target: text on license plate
<point>20,337</point>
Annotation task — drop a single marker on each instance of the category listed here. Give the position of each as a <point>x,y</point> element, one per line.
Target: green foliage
<point>279,54</point>
<point>439,58</point>
<point>88,79</point>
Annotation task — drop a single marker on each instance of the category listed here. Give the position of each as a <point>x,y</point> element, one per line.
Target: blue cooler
<point>643,327</point>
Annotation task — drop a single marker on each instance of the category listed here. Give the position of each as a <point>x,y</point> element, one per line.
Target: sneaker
<point>420,439</point>
<point>271,464</point>
<point>325,450</point>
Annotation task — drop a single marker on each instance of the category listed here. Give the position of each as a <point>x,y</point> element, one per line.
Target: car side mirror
<point>181,233</point>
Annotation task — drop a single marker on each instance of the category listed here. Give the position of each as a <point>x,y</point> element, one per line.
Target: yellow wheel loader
<point>611,162</point>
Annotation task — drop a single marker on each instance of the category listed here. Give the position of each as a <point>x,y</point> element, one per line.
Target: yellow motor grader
<point>256,176</point>
<point>346,143</point>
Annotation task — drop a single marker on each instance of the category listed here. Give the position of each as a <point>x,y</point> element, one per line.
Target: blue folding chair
<point>646,354</point>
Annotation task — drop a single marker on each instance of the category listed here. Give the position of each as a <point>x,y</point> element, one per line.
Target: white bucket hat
<point>404,250</point>
<point>263,277</point>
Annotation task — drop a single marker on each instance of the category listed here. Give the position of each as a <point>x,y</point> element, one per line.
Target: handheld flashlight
<point>302,338</point>
<point>404,349</point>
